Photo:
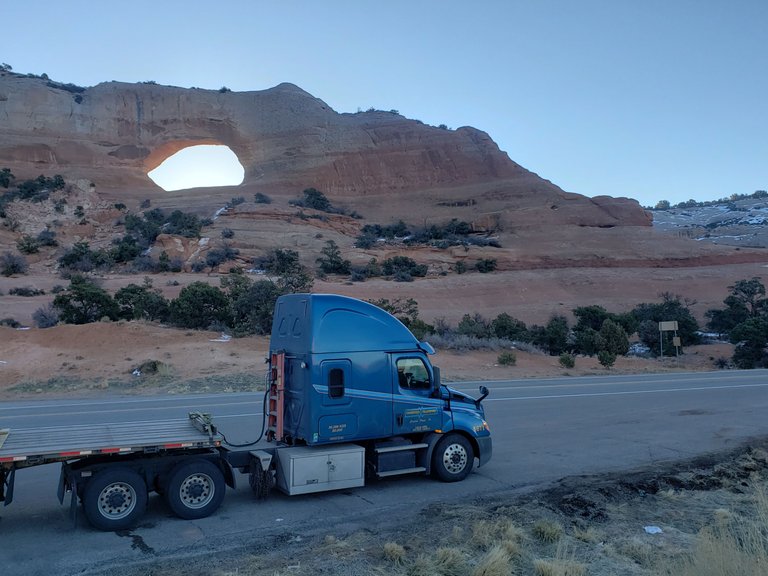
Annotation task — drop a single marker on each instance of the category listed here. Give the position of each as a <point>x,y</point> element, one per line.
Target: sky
<point>648,99</point>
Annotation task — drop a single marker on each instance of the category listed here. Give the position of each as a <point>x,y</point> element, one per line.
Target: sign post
<point>668,326</point>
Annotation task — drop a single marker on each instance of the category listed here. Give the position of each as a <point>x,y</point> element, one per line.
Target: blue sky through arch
<point>198,167</point>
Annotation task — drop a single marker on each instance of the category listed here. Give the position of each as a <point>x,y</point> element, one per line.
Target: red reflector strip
<point>13,459</point>
<point>114,450</point>
<point>178,445</point>
<point>77,453</point>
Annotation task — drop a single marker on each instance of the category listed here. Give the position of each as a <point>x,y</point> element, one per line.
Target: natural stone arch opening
<point>180,166</point>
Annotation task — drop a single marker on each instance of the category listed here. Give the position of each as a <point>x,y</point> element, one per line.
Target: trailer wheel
<point>115,499</point>
<point>453,458</point>
<point>195,489</point>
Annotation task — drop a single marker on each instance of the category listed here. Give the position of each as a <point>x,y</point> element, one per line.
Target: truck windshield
<point>412,374</point>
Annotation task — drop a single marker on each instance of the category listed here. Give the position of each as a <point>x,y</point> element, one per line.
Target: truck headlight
<point>481,427</point>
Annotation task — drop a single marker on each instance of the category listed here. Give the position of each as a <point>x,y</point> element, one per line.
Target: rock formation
<point>287,140</point>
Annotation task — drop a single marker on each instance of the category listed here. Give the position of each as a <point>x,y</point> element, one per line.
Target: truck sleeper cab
<point>354,373</point>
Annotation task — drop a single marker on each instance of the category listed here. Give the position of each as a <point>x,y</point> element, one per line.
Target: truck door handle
<point>399,419</point>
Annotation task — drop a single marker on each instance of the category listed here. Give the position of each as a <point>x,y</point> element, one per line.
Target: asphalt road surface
<point>542,429</point>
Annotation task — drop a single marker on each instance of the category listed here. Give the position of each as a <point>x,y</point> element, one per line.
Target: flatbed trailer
<point>26,447</point>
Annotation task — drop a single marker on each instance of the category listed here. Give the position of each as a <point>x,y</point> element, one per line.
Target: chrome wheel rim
<point>455,458</point>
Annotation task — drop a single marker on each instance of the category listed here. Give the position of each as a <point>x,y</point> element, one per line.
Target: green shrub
<point>84,301</point>
<point>331,261</point>
<point>260,198</point>
<point>6,177</point>
<point>486,265</point>
<point>198,306</point>
<point>11,264</point>
<point>507,358</point>
<point>142,302</point>
<point>47,237</point>
<point>80,258</point>
<point>567,360</point>
<point>26,291</point>
<point>505,326</point>
<point>28,245</point>
<point>606,358</point>
<point>391,266</point>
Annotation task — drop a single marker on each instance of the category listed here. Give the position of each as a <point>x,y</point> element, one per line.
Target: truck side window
<point>336,383</point>
<point>412,374</point>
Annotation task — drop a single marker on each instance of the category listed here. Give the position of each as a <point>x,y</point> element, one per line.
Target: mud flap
<point>6,485</point>
<point>67,480</point>
<point>260,473</point>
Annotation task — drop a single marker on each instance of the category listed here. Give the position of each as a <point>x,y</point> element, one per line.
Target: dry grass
<point>733,546</point>
<point>450,562</point>
<point>495,562</point>
<point>394,552</point>
<point>558,568</point>
<point>547,531</point>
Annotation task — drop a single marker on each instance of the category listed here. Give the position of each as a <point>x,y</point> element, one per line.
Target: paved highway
<point>543,430</point>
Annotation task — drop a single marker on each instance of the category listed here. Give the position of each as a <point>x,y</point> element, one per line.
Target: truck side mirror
<point>436,378</point>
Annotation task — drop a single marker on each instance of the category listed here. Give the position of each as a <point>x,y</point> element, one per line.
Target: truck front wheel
<point>115,499</point>
<point>453,458</point>
<point>195,489</point>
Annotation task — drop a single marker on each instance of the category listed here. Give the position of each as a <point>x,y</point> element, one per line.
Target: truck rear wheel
<point>115,499</point>
<point>195,489</point>
<point>453,458</point>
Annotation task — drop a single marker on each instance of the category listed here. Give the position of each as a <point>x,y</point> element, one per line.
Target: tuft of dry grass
<point>489,533</point>
<point>495,562</point>
<point>450,562</point>
<point>422,566</point>
<point>563,564</point>
<point>589,535</point>
<point>558,568</point>
<point>547,531</point>
<point>639,552</point>
<point>394,552</point>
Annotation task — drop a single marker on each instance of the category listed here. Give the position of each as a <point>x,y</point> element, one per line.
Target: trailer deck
<point>23,447</point>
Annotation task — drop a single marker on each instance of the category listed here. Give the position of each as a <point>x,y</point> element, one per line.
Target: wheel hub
<point>197,490</point>
<point>455,458</point>
<point>117,500</point>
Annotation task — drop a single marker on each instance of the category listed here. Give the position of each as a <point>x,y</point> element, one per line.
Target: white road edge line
<point>625,392</point>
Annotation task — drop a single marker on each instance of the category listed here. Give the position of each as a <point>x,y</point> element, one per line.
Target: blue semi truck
<point>351,394</point>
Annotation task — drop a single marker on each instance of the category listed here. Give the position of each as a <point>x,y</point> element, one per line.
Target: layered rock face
<point>287,140</point>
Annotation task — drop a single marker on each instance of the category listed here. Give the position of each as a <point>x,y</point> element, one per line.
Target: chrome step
<point>402,471</point>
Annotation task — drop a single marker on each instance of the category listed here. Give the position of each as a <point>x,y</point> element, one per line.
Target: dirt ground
<point>139,357</point>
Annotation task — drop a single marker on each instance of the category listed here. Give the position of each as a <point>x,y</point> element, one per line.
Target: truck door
<point>414,410</point>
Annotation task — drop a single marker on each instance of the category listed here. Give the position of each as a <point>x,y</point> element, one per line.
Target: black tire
<point>115,499</point>
<point>453,458</point>
<point>195,489</point>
